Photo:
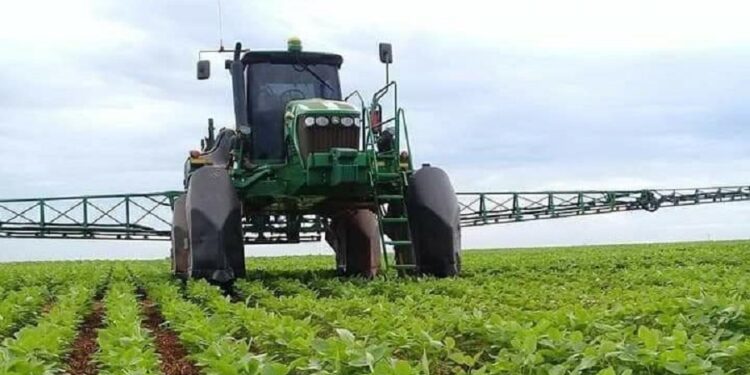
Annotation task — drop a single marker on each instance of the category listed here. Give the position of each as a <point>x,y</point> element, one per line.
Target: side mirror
<point>204,69</point>
<point>386,55</point>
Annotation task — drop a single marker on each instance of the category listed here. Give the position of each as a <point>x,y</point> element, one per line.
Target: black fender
<point>434,220</point>
<point>180,241</point>
<point>214,217</point>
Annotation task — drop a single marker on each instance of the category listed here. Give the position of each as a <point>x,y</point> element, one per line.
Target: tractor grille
<point>323,138</point>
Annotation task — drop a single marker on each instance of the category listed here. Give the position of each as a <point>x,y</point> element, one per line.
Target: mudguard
<point>215,227</point>
<point>434,221</point>
<point>355,239</point>
<point>180,241</point>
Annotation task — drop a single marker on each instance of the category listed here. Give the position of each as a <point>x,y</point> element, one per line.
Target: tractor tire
<point>355,238</point>
<point>180,241</point>
<point>434,219</point>
<point>214,217</point>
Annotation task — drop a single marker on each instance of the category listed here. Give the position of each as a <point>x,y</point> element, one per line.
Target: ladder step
<point>391,197</point>
<point>394,220</point>
<point>398,243</point>
<point>405,266</point>
<point>388,175</point>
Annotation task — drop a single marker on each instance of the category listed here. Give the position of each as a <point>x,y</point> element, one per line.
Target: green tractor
<point>302,163</point>
<point>301,160</point>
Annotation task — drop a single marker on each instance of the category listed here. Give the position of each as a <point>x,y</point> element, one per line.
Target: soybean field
<point>629,309</point>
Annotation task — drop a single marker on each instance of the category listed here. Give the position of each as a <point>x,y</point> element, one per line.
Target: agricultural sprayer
<point>304,162</point>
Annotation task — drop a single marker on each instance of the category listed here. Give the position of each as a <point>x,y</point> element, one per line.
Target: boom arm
<point>509,207</point>
<point>148,216</point>
<point>128,217</point>
<point>110,217</point>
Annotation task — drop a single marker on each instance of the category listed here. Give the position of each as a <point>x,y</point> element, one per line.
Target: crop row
<point>301,344</point>
<point>666,309</point>
<point>209,339</point>
<point>38,349</point>
<point>31,287</point>
<point>48,274</point>
<point>124,345</point>
<point>21,307</point>
<point>647,313</point>
<point>41,347</point>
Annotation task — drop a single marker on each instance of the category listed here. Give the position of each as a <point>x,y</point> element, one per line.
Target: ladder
<point>389,189</point>
<point>389,180</point>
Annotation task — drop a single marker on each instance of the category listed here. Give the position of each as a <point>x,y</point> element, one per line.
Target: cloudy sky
<point>100,97</point>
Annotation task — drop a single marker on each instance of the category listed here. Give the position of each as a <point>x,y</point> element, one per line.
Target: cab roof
<point>286,57</point>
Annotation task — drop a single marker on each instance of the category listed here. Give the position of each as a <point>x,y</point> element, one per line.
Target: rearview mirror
<point>386,56</point>
<point>204,69</point>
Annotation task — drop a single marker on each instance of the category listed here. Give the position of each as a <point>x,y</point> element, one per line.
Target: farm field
<point>629,309</point>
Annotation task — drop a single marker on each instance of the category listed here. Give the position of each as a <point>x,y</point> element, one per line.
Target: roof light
<point>293,44</point>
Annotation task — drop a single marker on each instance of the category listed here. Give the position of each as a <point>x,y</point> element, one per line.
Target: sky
<point>101,97</point>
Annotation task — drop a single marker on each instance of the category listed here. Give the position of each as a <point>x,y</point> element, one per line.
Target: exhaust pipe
<point>237,69</point>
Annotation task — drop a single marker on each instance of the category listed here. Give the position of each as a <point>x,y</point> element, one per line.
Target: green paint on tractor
<point>300,149</point>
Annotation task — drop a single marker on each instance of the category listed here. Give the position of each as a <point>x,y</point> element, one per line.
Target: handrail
<point>402,113</point>
<point>363,110</point>
<point>383,90</point>
<point>358,95</point>
<point>399,118</point>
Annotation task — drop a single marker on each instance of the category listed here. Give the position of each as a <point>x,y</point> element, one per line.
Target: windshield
<point>271,87</point>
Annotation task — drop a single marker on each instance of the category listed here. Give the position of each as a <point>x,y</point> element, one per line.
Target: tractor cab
<point>274,78</point>
<point>264,82</point>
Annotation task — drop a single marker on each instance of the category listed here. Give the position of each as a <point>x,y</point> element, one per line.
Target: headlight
<point>357,122</point>
<point>347,121</point>
<point>309,121</point>
<point>335,120</point>
<point>321,121</point>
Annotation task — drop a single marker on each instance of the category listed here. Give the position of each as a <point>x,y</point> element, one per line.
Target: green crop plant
<point>639,309</point>
<point>39,349</point>
<point>302,344</point>
<point>20,307</point>
<point>209,337</point>
<point>124,345</point>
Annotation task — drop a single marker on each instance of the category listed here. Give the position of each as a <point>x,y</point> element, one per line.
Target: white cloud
<point>584,26</point>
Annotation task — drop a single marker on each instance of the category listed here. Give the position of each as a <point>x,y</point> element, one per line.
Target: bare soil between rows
<point>80,360</point>
<point>174,359</point>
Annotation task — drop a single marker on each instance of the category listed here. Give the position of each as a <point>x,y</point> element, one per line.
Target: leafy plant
<point>124,345</point>
<point>622,310</point>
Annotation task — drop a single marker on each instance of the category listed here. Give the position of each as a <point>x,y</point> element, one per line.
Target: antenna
<point>221,27</point>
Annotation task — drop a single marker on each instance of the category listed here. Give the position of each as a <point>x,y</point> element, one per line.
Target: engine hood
<point>314,106</point>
